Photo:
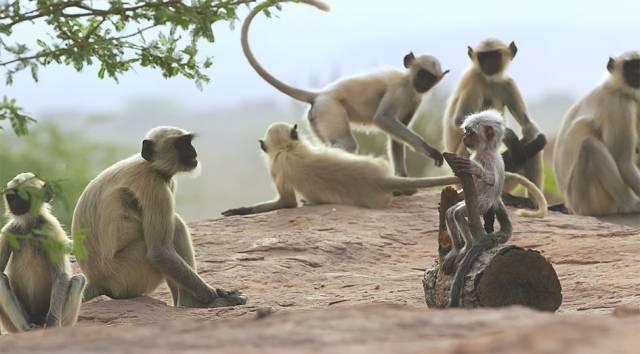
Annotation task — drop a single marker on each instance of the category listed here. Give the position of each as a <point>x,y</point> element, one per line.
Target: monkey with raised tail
<point>387,100</point>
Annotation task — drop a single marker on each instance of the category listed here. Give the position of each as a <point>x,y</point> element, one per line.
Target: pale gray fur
<point>35,290</point>
<point>595,153</point>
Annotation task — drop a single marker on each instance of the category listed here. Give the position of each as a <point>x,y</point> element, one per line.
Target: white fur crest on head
<point>488,117</point>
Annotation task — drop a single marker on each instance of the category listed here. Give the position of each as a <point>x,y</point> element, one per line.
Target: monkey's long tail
<point>398,184</point>
<point>533,191</point>
<point>293,92</point>
<point>464,268</point>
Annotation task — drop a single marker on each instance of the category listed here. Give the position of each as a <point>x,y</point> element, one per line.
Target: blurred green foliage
<point>67,161</point>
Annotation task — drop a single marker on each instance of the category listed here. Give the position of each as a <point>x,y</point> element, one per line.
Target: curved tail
<point>534,192</point>
<point>398,184</point>
<point>295,93</point>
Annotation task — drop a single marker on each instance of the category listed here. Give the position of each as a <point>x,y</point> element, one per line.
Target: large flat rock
<point>344,279</point>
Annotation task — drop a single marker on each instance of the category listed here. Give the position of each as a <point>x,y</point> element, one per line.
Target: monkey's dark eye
<point>424,80</point>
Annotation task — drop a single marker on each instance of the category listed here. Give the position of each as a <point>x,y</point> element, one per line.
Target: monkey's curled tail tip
<point>320,5</point>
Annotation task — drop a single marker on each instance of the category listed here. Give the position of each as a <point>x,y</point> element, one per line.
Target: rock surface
<point>349,280</point>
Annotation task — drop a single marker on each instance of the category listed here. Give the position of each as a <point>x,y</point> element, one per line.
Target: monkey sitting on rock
<point>36,289</point>
<point>134,237</point>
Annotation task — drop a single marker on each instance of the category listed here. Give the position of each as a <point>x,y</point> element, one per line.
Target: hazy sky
<point>564,46</point>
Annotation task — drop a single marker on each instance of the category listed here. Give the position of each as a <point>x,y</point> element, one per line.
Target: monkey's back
<point>333,176</point>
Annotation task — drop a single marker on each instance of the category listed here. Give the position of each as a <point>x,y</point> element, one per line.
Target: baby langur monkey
<point>323,175</point>
<point>483,134</point>
<point>386,99</point>
<point>36,290</point>
<point>486,85</point>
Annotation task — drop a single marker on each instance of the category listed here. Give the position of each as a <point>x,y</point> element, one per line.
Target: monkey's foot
<point>237,211</point>
<point>405,192</point>
<point>449,263</point>
<point>518,202</point>
<point>560,208</point>
<point>228,298</point>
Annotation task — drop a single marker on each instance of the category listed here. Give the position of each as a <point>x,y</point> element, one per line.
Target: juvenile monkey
<point>595,154</point>
<point>323,175</point>
<point>36,290</point>
<point>386,99</point>
<point>134,237</point>
<point>483,134</point>
<point>486,85</point>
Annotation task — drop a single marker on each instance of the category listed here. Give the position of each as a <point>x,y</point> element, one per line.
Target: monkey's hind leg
<point>398,154</point>
<point>597,187</point>
<point>449,262</point>
<point>15,319</point>
<point>330,122</point>
<point>72,303</point>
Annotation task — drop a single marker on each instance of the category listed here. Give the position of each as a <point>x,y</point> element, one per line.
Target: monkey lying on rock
<point>323,175</point>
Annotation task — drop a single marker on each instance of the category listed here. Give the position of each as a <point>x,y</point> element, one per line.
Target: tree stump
<point>501,276</point>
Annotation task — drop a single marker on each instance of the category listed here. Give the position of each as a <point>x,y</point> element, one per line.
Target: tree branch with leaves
<point>116,35</point>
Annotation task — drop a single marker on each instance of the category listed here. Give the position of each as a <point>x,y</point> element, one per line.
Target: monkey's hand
<point>510,138</point>
<point>461,165</point>
<point>228,298</point>
<point>238,211</point>
<point>436,156</point>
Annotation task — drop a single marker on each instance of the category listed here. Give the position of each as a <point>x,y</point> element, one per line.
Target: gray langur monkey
<point>134,237</point>
<point>325,175</point>
<point>486,85</point>
<point>483,134</point>
<point>36,289</point>
<point>596,148</point>
<point>387,100</point>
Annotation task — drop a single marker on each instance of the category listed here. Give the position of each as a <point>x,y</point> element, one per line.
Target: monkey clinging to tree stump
<point>488,274</point>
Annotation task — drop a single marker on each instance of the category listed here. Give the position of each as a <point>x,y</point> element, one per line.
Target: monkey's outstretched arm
<point>158,223</point>
<point>390,108</point>
<point>518,110</point>
<point>286,199</point>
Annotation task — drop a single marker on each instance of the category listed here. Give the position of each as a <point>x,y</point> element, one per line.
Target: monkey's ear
<point>470,52</point>
<point>294,132</point>
<point>263,146</point>
<point>611,65</point>
<point>489,133</point>
<point>48,195</point>
<point>408,60</point>
<point>513,49</point>
<point>147,150</point>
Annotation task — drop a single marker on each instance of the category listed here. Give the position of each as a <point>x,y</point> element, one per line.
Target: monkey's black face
<point>631,73</point>
<point>187,154</point>
<point>263,146</point>
<point>424,80</point>
<point>490,62</point>
<point>17,205</point>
